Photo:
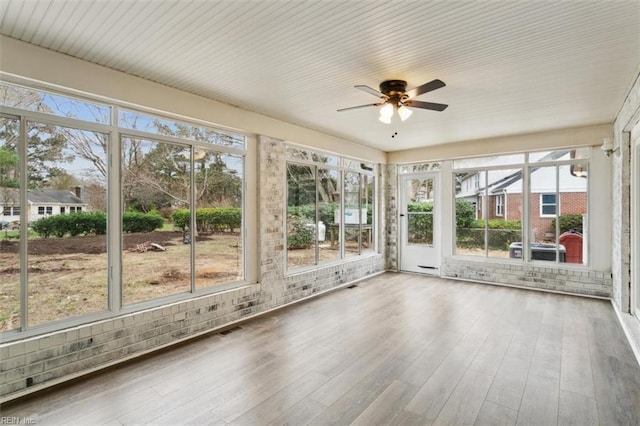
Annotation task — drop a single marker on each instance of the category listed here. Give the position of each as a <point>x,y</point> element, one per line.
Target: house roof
<point>49,196</point>
<point>506,181</point>
<point>510,67</point>
<point>42,196</point>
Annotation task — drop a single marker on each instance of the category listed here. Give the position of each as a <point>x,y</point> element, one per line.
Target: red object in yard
<point>572,242</point>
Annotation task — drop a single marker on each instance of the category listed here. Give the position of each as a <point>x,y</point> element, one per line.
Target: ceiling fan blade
<point>426,105</point>
<point>371,91</point>
<point>359,106</point>
<point>427,87</point>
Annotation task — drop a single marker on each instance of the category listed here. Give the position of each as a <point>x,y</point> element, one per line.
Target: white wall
<point>553,139</point>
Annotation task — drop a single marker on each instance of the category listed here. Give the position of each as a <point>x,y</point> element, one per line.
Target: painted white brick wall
<point>592,283</point>
<point>391,215</point>
<point>621,160</point>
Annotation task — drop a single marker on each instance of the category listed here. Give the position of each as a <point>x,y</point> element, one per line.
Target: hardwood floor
<point>397,349</point>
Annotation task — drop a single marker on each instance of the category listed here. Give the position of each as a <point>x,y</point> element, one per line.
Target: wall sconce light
<point>607,147</point>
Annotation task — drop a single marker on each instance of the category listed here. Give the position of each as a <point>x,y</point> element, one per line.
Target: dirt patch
<point>92,244</point>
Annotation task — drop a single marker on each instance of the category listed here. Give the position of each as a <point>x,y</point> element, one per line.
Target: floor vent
<point>230,330</point>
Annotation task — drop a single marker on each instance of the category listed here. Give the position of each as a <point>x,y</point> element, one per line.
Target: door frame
<point>402,219</point>
<point>635,217</point>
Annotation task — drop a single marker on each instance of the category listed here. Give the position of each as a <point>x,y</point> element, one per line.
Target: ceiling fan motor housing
<point>394,89</point>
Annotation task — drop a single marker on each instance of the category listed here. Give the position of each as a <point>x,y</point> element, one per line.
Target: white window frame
<point>527,167</point>
<point>345,164</point>
<point>249,220</point>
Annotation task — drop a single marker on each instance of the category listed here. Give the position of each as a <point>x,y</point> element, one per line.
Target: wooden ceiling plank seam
<point>35,14</point>
<point>77,15</point>
<point>170,40</point>
<point>10,15</point>
<point>119,57</point>
<point>45,33</point>
<point>99,32</point>
<point>184,41</point>
<point>78,46</point>
<point>67,13</point>
<point>127,21</point>
<point>328,19</point>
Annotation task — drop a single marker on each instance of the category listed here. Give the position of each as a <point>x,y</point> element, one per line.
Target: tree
<point>9,162</point>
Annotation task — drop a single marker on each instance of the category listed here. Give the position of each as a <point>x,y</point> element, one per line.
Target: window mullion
<point>316,217</point>
<point>557,227</point>
<point>526,199</point>
<point>24,231</point>
<point>114,220</point>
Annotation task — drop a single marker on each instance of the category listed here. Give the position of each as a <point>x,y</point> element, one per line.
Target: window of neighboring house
<point>16,211</point>
<point>548,205</point>
<point>49,210</point>
<point>62,210</point>
<point>500,205</point>
<point>41,210</point>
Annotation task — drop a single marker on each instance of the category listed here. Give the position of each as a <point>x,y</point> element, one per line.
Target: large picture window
<point>175,193</point>
<point>545,191</point>
<point>330,208</point>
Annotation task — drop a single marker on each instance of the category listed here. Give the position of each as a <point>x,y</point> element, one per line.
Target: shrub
<point>141,222</point>
<point>74,224</point>
<point>209,219</point>
<point>43,227</point>
<point>465,214</point>
<point>568,222</point>
<point>299,233</point>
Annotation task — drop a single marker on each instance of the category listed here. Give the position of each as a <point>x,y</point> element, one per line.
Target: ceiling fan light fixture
<point>386,111</point>
<point>404,112</point>
<point>385,119</point>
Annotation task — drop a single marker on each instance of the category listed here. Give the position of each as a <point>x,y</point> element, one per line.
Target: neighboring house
<point>40,203</point>
<point>505,201</point>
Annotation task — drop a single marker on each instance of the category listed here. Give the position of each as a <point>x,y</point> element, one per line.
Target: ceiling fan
<point>396,97</point>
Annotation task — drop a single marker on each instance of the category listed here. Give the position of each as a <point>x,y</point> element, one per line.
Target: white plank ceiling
<point>511,67</point>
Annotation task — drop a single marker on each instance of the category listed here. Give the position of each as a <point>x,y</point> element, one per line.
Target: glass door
<point>419,249</point>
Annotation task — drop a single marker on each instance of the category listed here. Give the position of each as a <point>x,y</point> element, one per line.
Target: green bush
<point>44,227</point>
<point>299,233</point>
<point>141,222</point>
<point>568,222</point>
<point>465,214</point>
<point>74,224</point>
<point>209,219</point>
<point>498,224</point>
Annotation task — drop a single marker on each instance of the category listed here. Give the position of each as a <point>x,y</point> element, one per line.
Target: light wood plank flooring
<point>397,349</point>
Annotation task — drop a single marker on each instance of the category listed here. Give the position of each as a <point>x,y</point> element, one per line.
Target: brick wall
<point>391,215</point>
<point>41,361</point>
<point>546,277</point>
<point>628,116</point>
<point>570,203</point>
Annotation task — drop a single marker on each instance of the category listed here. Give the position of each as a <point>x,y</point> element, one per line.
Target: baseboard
<point>631,327</point>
